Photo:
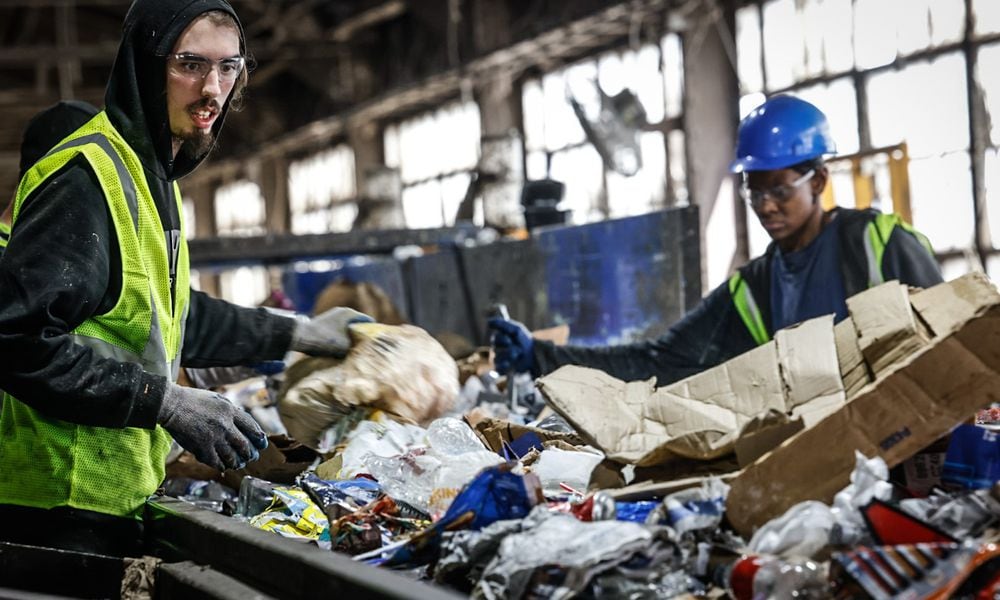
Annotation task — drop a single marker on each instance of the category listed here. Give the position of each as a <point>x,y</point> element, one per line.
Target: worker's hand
<point>210,427</point>
<point>513,346</point>
<point>326,334</point>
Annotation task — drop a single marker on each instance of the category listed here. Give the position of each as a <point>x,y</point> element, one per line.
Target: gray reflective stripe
<point>874,272</point>
<point>128,185</point>
<point>109,350</point>
<point>154,355</point>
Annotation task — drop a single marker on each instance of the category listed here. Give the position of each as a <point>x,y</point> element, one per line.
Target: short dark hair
<point>223,19</point>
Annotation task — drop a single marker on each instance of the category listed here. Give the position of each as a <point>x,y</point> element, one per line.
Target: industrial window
<point>435,174</point>
<point>890,72</point>
<point>322,192</point>
<point>239,211</point>
<point>187,204</point>
<point>558,148</point>
<point>189,217</point>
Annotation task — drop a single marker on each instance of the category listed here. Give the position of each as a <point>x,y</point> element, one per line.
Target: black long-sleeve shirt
<point>63,266</point>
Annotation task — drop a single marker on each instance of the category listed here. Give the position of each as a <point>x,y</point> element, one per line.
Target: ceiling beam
<point>100,53</point>
<point>48,3</point>
<point>373,16</point>
<point>543,51</point>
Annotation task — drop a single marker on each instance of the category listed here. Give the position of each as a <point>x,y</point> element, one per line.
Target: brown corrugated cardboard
<point>914,401</point>
<point>763,433</point>
<point>853,369</point>
<point>701,417</point>
<point>887,327</point>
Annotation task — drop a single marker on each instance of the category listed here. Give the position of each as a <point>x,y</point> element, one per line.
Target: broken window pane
<point>453,190</point>
<point>561,126</point>
<point>923,105</point>
<point>644,191</point>
<point>952,268</point>
<point>947,20</point>
<point>537,165</point>
<point>748,50</point>
<point>802,39</point>
<point>875,26</point>
<point>422,205</point>
<point>941,199</point>
<point>842,180</point>
<point>648,82</point>
<point>992,176</point>
<point>316,185</point>
<point>239,209</point>
<point>926,23</point>
<point>584,84</point>
<point>190,227</point>
<point>434,150</point>
<point>246,286</point>
<point>838,102</point>
<point>533,114</point>
<point>836,27</point>
<point>582,170</point>
<point>988,75</point>
<point>442,141</point>
<point>987,13</point>
<point>390,144</point>
<point>784,45</point>
<point>673,74</point>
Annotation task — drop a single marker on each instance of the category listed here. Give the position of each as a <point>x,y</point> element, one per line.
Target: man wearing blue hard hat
<point>817,259</point>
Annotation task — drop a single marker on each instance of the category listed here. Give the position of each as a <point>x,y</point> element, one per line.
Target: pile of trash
<point>843,461</point>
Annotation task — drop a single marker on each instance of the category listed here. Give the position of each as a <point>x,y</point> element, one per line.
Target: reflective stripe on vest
<point>45,462</point>
<point>876,239</point>
<point>747,308</point>
<point>4,235</point>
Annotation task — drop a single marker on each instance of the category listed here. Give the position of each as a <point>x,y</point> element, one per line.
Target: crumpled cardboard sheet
<point>953,368</point>
<point>701,416</point>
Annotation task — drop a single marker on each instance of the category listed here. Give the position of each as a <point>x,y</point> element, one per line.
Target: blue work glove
<point>327,334</point>
<point>210,427</point>
<point>513,346</point>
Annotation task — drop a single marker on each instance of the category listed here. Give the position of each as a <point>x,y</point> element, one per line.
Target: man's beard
<point>195,146</point>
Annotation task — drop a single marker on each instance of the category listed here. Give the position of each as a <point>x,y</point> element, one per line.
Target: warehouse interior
<point>570,162</point>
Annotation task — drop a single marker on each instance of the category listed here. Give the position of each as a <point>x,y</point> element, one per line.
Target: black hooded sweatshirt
<point>63,264</point>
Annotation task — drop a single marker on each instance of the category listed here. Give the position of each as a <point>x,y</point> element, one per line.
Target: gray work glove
<point>326,334</point>
<point>210,427</point>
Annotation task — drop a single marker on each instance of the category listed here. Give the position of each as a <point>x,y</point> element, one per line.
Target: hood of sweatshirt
<point>136,97</point>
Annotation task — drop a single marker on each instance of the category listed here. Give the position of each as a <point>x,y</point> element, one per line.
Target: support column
<point>377,189</point>
<point>273,182</point>
<point>711,116</point>
<point>501,165</point>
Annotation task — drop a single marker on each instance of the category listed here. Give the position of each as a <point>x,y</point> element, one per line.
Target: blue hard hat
<point>782,132</point>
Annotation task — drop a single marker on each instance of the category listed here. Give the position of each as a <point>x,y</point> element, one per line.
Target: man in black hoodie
<point>96,310</point>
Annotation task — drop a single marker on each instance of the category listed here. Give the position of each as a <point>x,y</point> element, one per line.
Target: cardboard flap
<point>886,325</point>
<point>807,355</point>
<point>699,417</point>
<point>947,305</point>
<point>853,370</point>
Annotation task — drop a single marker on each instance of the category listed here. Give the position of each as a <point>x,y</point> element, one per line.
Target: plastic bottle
<point>255,496</point>
<point>763,577</point>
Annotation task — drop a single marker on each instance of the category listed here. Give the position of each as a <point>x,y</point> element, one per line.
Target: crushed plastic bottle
<point>762,577</point>
<point>255,496</point>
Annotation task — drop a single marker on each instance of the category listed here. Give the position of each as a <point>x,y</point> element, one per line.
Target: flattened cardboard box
<point>916,399</point>
<point>702,417</point>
